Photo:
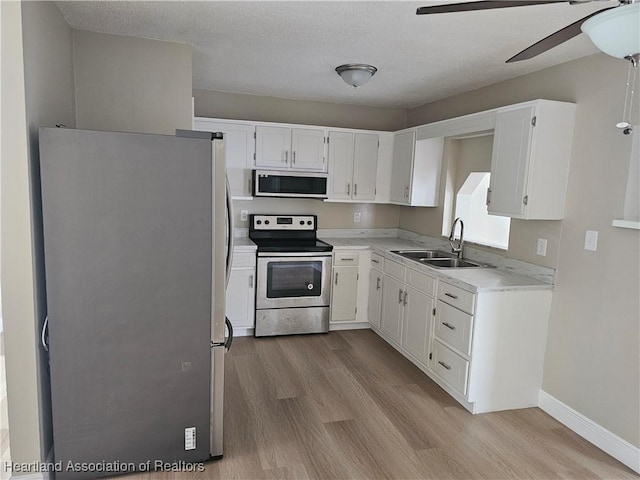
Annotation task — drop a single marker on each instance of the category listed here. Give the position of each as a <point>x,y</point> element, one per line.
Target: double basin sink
<point>438,259</point>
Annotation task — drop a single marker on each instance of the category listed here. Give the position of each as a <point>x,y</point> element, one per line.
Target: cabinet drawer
<point>377,261</point>
<point>421,281</point>
<point>450,366</point>
<point>457,297</point>
<point>346,258</point>
<point>454,327</point>
<point>395,269</point>
<point>244,259</point>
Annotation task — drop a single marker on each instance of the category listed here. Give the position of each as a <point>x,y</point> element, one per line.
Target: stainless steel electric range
<point>293,275</point>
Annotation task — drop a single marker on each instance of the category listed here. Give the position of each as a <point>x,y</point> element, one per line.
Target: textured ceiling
<point>291,48</point>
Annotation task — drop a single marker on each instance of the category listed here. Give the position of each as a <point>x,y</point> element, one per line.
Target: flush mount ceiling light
<point>356,74</point>
<point>617,33</point>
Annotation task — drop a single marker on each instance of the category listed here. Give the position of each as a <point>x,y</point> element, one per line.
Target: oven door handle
<point>294,254</point>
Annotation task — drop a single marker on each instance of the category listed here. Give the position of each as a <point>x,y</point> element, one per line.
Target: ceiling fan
<point>552,40</point>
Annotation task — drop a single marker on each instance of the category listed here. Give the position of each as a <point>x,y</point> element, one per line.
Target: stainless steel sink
<point>438,259</point>
<point>422,255</point>
<point>452,263</point>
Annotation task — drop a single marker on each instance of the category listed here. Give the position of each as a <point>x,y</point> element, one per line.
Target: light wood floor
<point>347,405</point>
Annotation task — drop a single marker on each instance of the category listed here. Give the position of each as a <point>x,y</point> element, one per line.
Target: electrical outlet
<point>591,240</point>
<point>356,217</point>
<point>542,247</point>
<point>244,214</point>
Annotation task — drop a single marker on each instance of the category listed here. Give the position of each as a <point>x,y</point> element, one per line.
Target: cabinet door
<point>403,145</point>
<point>375,297</point>
<point>391,318</point>
<point>340,165</point>
<point>307,149</point>
<point>509,161</point>
<point>273,147</point>
<point>417,324</point>
<point>239,147</point>
<point>240,298</point>
<point>365,163</point>
<point>344,293</point>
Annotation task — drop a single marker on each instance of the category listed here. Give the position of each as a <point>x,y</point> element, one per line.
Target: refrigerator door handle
<point>229,340</point>
<point>230,242</point>
<point>43,334</point>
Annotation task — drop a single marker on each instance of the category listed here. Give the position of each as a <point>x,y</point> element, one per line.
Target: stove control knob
<point>259,222</point>
<point>309,222</point>
<point>266,222</point>
<point>301,222</point>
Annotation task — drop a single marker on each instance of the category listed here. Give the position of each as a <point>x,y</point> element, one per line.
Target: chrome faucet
<point>457,250</point>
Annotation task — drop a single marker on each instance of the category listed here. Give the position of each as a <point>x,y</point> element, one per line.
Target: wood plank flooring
<point>347,405</point>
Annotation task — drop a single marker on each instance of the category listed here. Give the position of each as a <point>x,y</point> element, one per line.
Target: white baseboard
<point>348,326</point>
<point>602,438</point>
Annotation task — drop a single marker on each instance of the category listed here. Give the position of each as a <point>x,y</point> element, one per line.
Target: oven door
<point>293,280</point>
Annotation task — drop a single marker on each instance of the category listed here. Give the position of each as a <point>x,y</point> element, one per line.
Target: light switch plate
<point>244,215</point>
<point>356,217</point>
<point>591,240</point>
<point>541,249</point>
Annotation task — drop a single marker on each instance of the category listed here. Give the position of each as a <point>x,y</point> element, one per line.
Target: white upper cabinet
<point>365,163</point>
<point>284,148</point>
<point>415,177</point>
<point>307,149</point>
<point>530,160</point>
<point>239,147</point>
<point>340,165</point>
<point>273,147</point>
<point>353,160</point>
<point>403,145</point>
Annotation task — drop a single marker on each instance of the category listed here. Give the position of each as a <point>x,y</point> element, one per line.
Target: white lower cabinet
<point>240,297</point>
<point>349,286</point>
<point>486,348</point>
<point>392,308</point>
<point>375,291</point>
<point>407,309</point>
<point>344,294</point>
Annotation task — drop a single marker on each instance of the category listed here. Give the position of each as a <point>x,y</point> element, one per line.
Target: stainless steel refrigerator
<point>136,256</point>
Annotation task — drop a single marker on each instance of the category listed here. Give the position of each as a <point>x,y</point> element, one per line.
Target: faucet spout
<point>457,249</point>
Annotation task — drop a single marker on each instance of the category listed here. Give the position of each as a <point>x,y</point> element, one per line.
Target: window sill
<point>631,224</point>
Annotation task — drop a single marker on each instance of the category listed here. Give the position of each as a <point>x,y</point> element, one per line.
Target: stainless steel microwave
<point>289,184</point>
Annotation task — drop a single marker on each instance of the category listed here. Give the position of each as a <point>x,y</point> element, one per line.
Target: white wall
<point>37,90</point>
<point>592,362</point>
<point>131,84</point>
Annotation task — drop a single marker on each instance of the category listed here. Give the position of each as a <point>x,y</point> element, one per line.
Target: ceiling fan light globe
<point>616,32</point>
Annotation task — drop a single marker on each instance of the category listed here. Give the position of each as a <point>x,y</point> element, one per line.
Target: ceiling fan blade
<point>468,6</point>
<point>553,40</point>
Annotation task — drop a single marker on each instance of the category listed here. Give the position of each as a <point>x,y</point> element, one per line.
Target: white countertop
<point>243,244</point>
<point>471,279</point>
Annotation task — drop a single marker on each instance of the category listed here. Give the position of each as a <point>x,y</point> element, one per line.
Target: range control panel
<point>283,222</point>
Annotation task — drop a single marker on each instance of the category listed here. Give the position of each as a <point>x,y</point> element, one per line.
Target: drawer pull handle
<point>449,326</point>
<point>451,295</point>
<point>375,261</point>
<point>378,279</point>
<point>347,259</point>
<point>400,296</point>
<point>444,365</point>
